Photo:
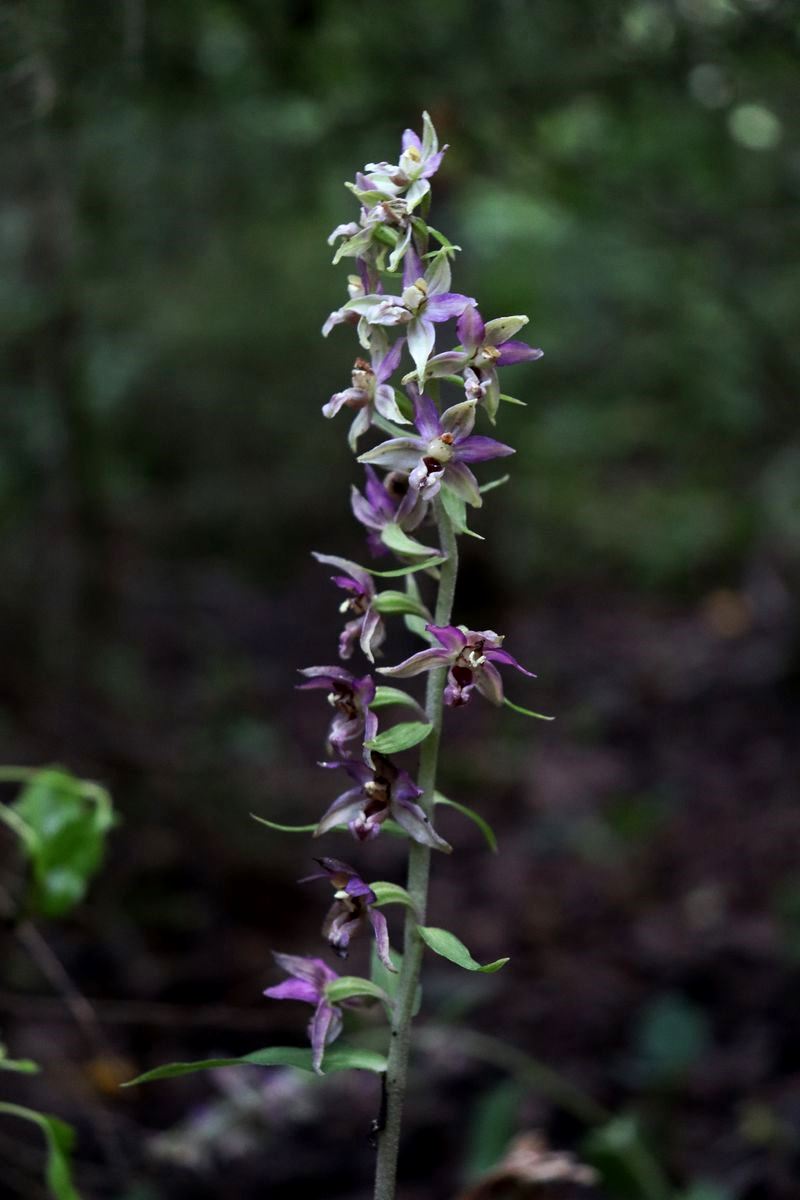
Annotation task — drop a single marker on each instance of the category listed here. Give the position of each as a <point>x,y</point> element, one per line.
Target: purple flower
<point>485,348</point>
<point>350,698</point>
<point>426,301</point>
<point>309,977</point>
<point>367,627</point>
<point>369,392</point>
<point>381,791</point>
<point>351,910</point>
<point>419,160</point>
<point>441,453</point>
<point>342,316</point>
<point>386,502</point>
<point>469,656</point>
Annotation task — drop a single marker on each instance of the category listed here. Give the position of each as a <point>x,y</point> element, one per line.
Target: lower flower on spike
<point>351,910</point>
<point>309,977</point>
<point>381,791</point>
<point>350,699</point>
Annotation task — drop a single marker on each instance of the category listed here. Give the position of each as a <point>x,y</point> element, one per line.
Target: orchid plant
<point>400,305</point>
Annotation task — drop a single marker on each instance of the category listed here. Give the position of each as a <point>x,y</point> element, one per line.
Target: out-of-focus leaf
<point>625,1162</point>
<point>68,820</point>
<point>492,1125</point>
<point>22,1066</point>
<point>671,1036</point>
<point>60,1138</point>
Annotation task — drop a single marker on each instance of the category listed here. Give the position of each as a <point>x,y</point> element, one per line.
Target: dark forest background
<point>627,174</point>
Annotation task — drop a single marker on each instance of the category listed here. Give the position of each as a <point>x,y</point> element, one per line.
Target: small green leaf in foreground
<point>400,737</point>
<point>446,944</point>
<point>341,1058</point>
<point>347,986</point>
<point>391,893</point>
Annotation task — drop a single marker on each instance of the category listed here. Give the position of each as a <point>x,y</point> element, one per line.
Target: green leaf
<point>450,947</point>
<point>470,813</point>
<point>391,893</point>
<point>347,986</point>
<point>60,1138</point>
<point>66,821</point>
<point>400,737</point>
<point>526,712</point>
<point>398,540</point>
<point>400,602</point>
<point>422,566</point>
<point>415,624</point>
<point>392,695</point>
<point>390,981</point>
<point>629,1168</point>
<point>341,1058</point>
<point>22,1066</point>
<point>284,828</point>
<point>456,510</point>
<point>493,1124</point>
<point>493,483</point>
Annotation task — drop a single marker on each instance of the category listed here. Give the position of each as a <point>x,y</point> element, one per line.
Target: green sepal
<point>513,400</point>
<point>446,944</point>
<point>339,1058</point>
<point>400,737</point>
<point>526,712</point>
<point>470,813</point>
<point>399,602</point>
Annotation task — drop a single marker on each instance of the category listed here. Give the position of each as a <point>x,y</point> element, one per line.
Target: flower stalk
<point>419,862</point>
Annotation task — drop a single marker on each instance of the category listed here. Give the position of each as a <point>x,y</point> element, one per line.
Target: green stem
<point>419,860</point>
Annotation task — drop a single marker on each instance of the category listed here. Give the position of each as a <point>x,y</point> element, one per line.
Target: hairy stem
<point>419,861</point>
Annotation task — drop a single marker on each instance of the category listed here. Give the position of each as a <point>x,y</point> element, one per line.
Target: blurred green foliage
<point>61,823</point>
<point>627,173</point>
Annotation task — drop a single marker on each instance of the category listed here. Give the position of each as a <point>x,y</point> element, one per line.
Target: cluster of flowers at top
<point>400,287</point>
